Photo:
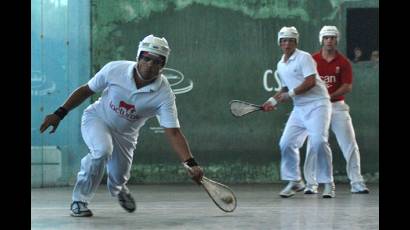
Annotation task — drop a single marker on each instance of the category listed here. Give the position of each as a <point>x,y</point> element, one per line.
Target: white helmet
<point>288,32</point>
<point>329,31</point>
<point>154,45</point>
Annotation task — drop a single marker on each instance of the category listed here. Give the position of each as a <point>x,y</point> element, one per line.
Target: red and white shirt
<point>334,73</point>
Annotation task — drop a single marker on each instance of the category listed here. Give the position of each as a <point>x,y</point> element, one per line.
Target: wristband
<point>291,93</point>
<point>272,101</point>
<point>191,162</point>
<point>61,112</point>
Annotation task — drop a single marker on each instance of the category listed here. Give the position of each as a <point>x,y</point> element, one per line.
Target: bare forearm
<point>178,143</point>
<point>282,90</point>
<point>77,97</point>
<point>285,94</point>
<point>306,85</point>
<point>342,90</point>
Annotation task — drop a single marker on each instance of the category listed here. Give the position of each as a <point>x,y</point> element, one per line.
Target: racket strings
<point>221,195</point>
<point>240,108</point>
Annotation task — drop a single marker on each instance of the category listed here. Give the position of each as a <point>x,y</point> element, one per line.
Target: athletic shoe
<point>329,190</point>
<point>292,188</point>
<point>359,188</point>
<point>79,209</point>
<point>311,189</point>
<point>126,201</point>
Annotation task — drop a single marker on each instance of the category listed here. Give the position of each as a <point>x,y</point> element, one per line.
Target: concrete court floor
<point>187,206</point>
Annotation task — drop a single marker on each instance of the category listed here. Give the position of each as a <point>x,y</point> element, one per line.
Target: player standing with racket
<point>310,115</point>
<point>132,92</point>
<point>336,71</point>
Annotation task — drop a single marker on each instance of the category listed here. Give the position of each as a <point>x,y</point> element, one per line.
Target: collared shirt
<point>292,73</point>
<point>124,107</point>
<point>334,73</point>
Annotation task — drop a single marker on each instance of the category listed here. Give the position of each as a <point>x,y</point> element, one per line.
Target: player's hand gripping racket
<point>241,108</point>
<point>220,194</point>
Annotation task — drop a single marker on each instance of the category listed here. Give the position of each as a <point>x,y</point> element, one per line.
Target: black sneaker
<point>126,201</point>
<point>79,209</point>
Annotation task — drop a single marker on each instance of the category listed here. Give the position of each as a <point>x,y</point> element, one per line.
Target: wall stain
<point>108,15</point>
<point>122,11</point>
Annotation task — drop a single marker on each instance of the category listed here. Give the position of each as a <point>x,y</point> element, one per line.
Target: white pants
<point>106,148</point>
<point>342,127</point>
<point>312,119</point>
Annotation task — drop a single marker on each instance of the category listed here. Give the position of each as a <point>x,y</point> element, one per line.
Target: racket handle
<point>190,171</point>
<point>187,167</point>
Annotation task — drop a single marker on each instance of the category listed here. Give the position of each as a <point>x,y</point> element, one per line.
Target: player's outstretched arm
<point>75,99</point>
<point>180,145</point>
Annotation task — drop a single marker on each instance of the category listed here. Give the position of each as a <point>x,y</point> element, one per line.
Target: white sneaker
<point>359,188</point>
<point>292,188</point>
<point>311,189</point>
<point>329,190</point>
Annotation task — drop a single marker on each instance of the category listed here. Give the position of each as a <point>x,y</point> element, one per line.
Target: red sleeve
<point>316,56</point>
<point>346,73</point>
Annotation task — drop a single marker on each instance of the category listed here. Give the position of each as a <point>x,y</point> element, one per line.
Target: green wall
<point>223,48</point>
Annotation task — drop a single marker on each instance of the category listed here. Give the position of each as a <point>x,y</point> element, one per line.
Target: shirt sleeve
<point>100,80</point>
<point>168,114</point>
<point>283,84</point>
<point>308,65</point>
<point>346,73</point>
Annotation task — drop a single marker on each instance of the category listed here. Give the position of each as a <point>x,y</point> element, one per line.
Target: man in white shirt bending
<point>132,92</point>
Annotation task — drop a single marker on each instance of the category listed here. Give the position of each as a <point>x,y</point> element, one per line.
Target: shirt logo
<point>329,80</point>
<point>337,69</point>
<point>126,106</point>
<point>125,110</point>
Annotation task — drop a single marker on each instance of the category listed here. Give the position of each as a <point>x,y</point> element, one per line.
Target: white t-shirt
<point>299,66</point>
<point>125,108</point>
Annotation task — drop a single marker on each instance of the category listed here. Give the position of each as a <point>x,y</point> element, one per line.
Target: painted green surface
<point>227,172</point>
<point>108,16</point>
<point>224,48</point>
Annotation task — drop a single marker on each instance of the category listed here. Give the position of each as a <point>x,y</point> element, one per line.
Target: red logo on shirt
<point>125,110</point>
<point>126,106</point>
<point>337,70</point>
